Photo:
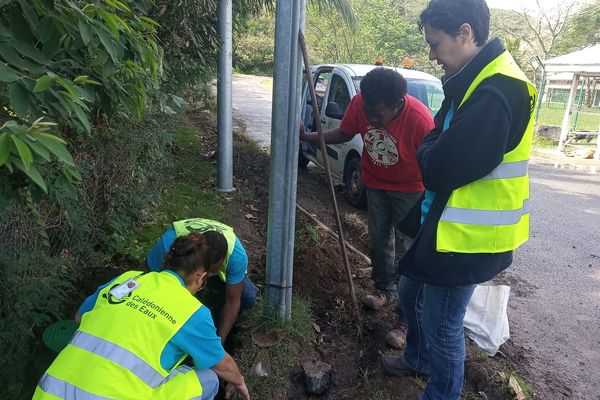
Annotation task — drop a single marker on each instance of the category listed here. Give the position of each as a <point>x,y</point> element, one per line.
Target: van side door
<point>338,96</point>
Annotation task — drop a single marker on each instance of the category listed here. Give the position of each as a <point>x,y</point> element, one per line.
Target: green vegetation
<point>64,62</point>
<point>305,229</point>
<point>186,193</point>
<point>587,119</point>
<point>298,333</point>
<point>73,184</point>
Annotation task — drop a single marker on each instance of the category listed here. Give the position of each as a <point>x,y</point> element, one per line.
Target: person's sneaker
<point>396,338</point>
<point>394,365</point>
<point>379,299</point>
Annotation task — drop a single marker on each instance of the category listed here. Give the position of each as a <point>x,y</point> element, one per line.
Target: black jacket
<point>488,125</point>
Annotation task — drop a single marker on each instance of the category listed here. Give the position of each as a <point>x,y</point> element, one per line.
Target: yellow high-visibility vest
<point>202,225</point>
<point>491,215</point>
<point>115,353</point>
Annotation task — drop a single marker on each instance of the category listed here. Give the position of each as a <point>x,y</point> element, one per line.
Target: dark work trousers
<point>386,209</point>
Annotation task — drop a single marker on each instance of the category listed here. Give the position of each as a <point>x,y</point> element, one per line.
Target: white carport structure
<point>581,63</point>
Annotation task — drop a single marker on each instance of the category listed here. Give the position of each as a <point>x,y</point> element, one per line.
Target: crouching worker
<point>230,290</point>
<point>137,329</point>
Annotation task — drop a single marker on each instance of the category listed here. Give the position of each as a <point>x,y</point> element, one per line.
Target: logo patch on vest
<point>201,226</point>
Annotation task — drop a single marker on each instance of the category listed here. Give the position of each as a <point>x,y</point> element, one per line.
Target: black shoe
<point>394,365</point>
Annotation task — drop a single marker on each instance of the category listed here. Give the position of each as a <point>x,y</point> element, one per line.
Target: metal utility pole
<point>285,122</point>
<point>224,102</point>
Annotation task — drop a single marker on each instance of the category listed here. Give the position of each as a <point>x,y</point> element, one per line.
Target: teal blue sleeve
<point>198,338</point>
<point>156,256</point>
<point>238,264</point>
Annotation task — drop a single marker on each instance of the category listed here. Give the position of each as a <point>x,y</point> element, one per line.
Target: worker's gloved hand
<point>240,389</point>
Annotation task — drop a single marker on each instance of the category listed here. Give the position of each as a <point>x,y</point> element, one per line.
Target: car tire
<point>356,192</point>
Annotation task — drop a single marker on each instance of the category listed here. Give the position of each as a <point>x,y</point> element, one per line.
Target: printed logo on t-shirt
<point>381,146</point>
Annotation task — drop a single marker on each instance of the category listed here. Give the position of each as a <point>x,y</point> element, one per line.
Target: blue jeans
<point>213,296</point>
<point>207,377</point>
<point>249,293</point>
<point>210,383</point>
<point>435,340</point>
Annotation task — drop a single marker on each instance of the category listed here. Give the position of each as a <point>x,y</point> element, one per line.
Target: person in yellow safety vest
<point>475,210</point>
<point>137,329</point>
<point>231,290</point>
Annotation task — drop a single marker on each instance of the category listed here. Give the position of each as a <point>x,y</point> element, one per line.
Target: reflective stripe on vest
<point>484,217</point>
<point>202,225</point>
<point>65,390</point>
<point>118,355</point>
<point>509,170</point>
<point>491,214</point>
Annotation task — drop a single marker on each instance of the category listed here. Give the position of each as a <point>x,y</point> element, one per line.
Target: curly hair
<point>196,251</point>
<point>449,16</point>
<point>383,85</point>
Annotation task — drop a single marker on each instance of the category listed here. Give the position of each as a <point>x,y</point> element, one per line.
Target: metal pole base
<point>227,190</point>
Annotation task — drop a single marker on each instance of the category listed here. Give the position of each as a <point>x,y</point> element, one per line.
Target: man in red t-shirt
<point>392,125</point>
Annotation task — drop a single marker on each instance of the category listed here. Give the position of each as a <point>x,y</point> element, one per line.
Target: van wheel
<point>356,193</point>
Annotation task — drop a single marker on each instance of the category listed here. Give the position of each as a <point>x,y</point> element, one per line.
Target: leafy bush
<point>253,53</point>
<point>83,140</point>
<point>69,62</point>
<point>55,248</point>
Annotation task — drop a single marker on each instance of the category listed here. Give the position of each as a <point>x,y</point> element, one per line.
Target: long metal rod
<point>313,96</point>
<point>224,100</point>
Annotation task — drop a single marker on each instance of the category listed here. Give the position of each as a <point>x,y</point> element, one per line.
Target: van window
<point>427,92</point>
<point>338,92</point>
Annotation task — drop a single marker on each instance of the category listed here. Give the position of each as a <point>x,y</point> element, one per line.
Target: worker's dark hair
<point>383,85</point>
<point>449,15</point>
<point>196,251</point>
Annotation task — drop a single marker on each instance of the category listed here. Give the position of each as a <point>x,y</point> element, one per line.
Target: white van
<point>336,85</point>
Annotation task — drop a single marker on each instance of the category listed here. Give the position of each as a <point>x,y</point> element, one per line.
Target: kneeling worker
<point>239,292</point>
<point>136,330</point>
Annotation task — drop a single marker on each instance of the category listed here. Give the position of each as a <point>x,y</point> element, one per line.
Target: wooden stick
<point>313,96</point>
<point>333,234</point>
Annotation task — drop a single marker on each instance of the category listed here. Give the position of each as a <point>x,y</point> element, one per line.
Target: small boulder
<point>317,377</point>
<point>396,338</point>
<point>262,364</point>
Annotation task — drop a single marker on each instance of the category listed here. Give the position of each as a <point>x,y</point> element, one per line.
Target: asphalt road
<point>554,308</point>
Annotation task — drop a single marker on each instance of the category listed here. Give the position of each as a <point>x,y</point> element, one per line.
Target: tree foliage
<point>63,64</point>
<point>583,29</point>
<point>384,27</point>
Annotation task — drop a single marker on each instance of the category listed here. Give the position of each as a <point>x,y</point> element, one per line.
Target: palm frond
<point>343,7</point>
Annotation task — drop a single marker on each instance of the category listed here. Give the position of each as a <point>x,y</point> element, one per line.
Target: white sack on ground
<point>486,320</point>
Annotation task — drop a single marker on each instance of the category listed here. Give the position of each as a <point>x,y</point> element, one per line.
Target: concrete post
<point>565,123</point>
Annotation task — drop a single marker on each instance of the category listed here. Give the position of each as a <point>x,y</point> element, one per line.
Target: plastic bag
<point>486,320</point>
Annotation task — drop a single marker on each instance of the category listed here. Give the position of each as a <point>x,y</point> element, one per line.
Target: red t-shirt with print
<point>389,156</point>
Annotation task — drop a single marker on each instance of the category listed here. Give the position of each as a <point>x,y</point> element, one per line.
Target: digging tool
<point>313,96</point>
